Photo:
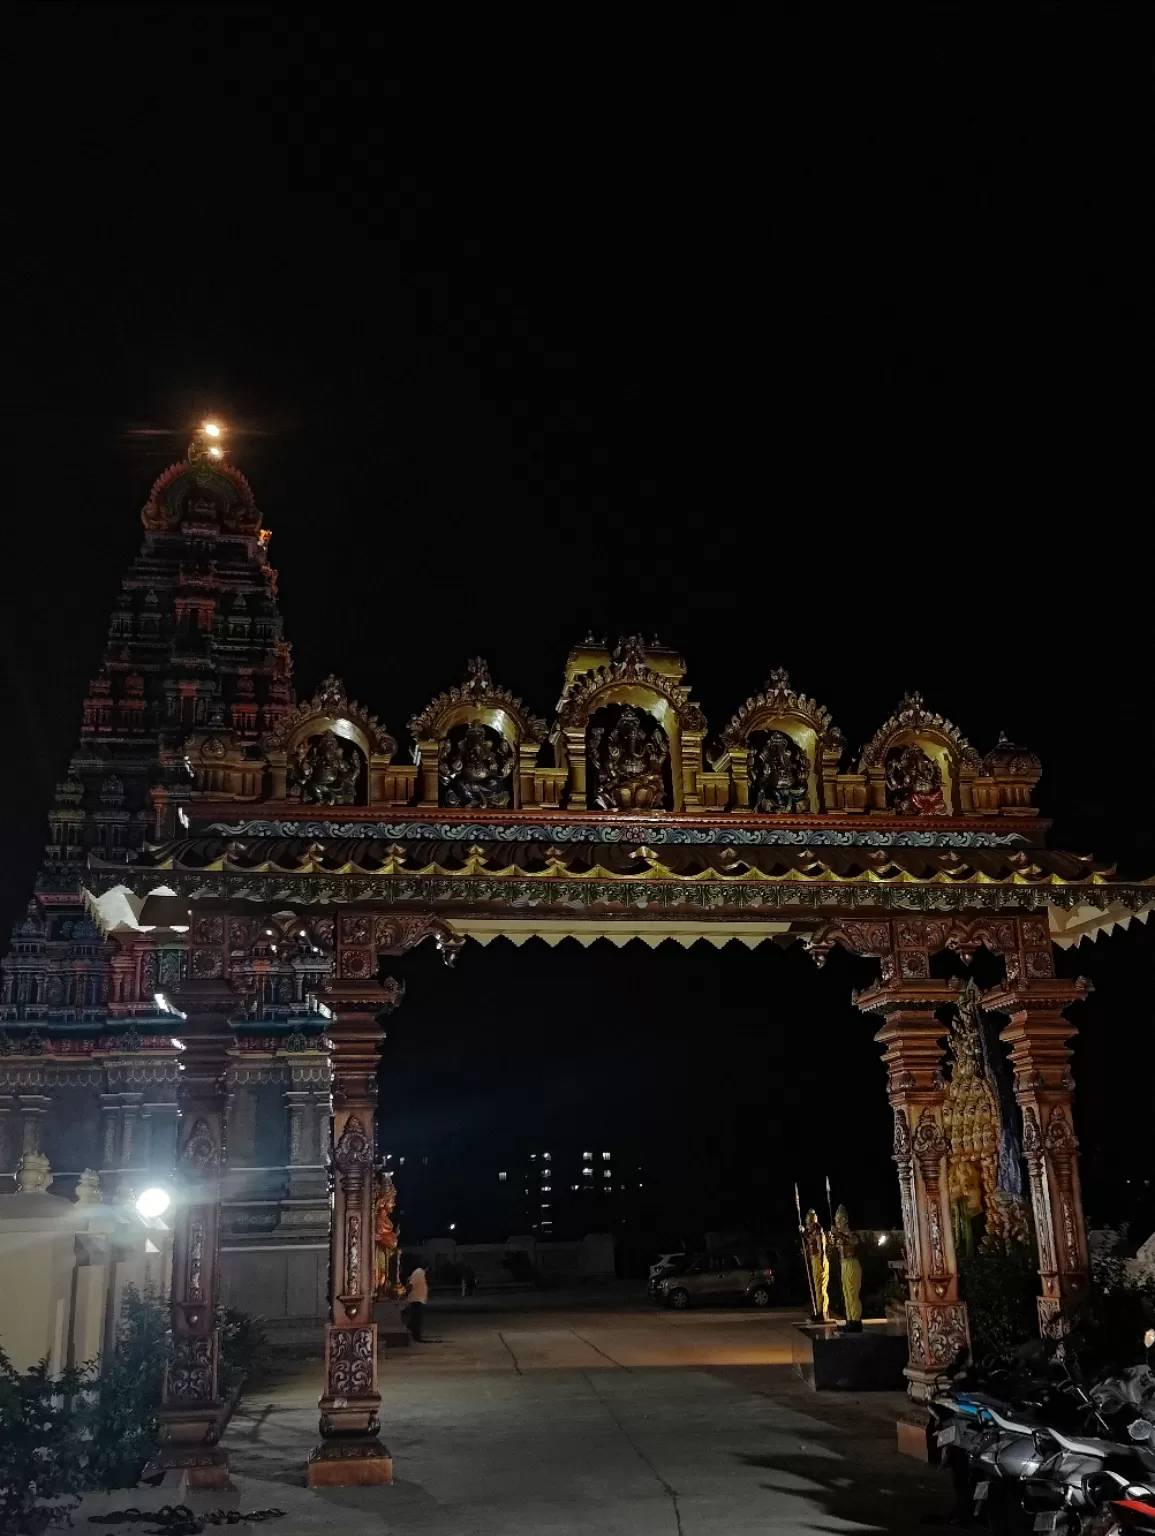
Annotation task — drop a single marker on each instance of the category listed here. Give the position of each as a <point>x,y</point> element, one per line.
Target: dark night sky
<point>811,341</point>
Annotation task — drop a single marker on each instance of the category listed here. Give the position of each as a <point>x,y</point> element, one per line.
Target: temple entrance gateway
<point>232,868</point>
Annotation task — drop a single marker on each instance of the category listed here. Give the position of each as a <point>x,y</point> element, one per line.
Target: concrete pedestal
<point>391,1331</point>
<point>358,1464</point>
<point>832,1361</point>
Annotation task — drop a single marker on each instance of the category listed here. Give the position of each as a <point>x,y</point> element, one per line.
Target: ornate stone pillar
<point>907,998</point>
<point>7,1151</point>
<point>1044,1088</point>
<point>190,1411</point>
<point>912,1037</point>
<point>33,1108</point>
<point>350,1452</point>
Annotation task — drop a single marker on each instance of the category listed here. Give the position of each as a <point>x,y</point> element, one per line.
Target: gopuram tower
<point>88,1065</point>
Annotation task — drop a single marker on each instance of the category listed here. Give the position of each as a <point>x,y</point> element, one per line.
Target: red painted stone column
<point>350,1452</point>
<point>1044,1088</point>
<point>914,1054</point>
<point>191,1408</point>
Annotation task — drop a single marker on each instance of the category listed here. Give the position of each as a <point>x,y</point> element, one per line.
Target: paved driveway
<point>593,1414</point>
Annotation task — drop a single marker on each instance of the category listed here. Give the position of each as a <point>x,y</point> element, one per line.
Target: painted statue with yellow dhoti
<point>845,1241</point>
<point>387,1240</point>
<point>814,1245</point>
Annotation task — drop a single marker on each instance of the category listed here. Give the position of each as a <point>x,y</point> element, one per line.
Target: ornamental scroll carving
<point>353,1254</point>
<point>353,1152</point>
<point>929,1149</point>
<point>947,1334</point>
<point>191,1368</point>
<point>199,1154</point>
<point>350,1362</point>
<point>194,1283</point>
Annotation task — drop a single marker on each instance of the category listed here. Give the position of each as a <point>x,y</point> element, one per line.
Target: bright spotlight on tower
<point>153,1202</point>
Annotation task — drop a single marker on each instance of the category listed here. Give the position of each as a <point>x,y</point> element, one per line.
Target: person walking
<point>417,1292</point>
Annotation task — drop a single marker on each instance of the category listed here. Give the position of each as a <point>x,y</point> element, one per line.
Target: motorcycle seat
<point>1082,1447</point>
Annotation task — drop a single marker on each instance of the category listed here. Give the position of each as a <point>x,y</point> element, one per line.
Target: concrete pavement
<point>591,1413</point>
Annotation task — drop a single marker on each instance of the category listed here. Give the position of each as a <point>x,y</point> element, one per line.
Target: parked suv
<point>718,1277</point>
<point>665,1267</point>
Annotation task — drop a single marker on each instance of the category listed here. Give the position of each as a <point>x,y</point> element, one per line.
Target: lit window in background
<point>546,1156</point>
<point>502,1177</point>
<point>607,1174</point>
<point>587,1157</point>
<point>589,1173</point>
<point>605,1157</point>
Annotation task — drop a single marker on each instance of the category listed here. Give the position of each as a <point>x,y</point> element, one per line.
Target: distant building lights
<point>608,1174</point>
<point>605,1157</point>
<point>453,1226</point>
<point>883,1239</point>
<point>503,1177</point>
<point>587,1157</point>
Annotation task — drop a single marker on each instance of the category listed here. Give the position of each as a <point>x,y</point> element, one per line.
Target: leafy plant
<point>42,1453</point>
<point>1000,1284</point>
<point>243,1340</point>
<point>1120,1310</point>
<point>121,1417</point>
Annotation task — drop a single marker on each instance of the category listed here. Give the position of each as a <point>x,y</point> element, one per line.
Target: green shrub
<point>42,1452</point>
<point>243,1342</point>
<point>1000,1285</point>
<point>121,1417</point>
<point>1120,1311</point>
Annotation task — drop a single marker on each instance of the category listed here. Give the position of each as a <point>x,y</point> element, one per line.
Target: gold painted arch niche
<point>477,746</point>
<point>629,700</point>
<point>763,772</point>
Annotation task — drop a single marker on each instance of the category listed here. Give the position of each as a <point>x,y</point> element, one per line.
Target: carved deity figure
<point>780,772</point>
<point>325,769</point>
<point>814,1244</point>
<point>387,1236</point>
<point>984,1181</point>
<point>845,1241</point>
<point>914,783</point>
<point>629,763</point>
<point>475,770</point>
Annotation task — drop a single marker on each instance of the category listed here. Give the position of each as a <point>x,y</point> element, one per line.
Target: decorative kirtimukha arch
<point>213,851</point>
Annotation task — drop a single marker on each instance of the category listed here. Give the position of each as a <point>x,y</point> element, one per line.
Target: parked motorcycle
<point>1033,1449</point>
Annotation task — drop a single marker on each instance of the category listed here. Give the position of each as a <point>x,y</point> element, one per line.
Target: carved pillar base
<point>350,1454</point>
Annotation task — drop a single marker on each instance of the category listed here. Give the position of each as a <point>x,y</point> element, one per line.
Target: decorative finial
<point>477,675</point>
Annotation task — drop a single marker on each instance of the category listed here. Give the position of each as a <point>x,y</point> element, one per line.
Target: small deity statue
<point>387,1253</point>
<point>845,1241</point>
<point>475,769</point>
<point>914,783</point>
<point>326,770</point>
<point>817,1257</point>
<point>629,764</point>
<point>780,772</point>
<point>88,1188</point>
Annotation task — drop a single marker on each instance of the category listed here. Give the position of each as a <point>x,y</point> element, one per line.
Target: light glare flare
<point>153,1202</point>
